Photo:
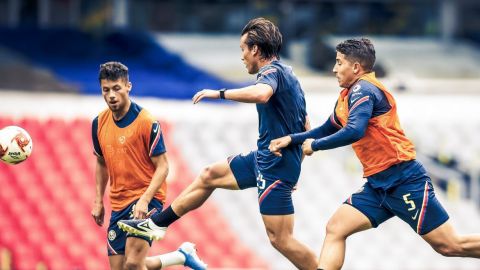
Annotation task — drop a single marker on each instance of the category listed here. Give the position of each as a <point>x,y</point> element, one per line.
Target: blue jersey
<point>284,113</point>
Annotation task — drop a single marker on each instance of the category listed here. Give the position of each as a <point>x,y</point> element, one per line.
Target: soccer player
<point>281,111</point>
<point>128,143</point>
<point>365,116</point>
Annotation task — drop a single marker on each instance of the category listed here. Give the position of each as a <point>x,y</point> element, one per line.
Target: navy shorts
<point>116,237</point>
<point>274,195</point>
<point>414,202</point>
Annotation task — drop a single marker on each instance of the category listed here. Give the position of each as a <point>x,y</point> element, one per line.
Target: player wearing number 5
<point>365,116</point>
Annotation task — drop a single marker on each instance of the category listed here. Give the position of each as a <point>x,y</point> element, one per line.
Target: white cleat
<point>143,227</point>
<point>191,258</point>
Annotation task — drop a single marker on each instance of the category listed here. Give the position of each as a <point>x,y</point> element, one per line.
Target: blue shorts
<point>414,202</point>
<point>274,195</point>
<point>116,237</point>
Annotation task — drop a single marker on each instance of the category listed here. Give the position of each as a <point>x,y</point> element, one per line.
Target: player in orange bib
<point>365,116</point>
<point>131,155</point>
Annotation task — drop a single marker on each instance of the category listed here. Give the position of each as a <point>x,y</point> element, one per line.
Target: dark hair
<point>265,35</point>
<point>359,50</point>
<point>113,71</point>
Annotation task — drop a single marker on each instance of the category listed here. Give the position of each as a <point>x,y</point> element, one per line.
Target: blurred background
<point>428,54</point>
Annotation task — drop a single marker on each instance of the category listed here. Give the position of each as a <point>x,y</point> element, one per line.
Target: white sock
<point>172,258</point>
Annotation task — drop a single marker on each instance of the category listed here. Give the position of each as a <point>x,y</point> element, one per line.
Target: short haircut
<point>265,35</point>
<point>358,50</point>
<point>112,71</point>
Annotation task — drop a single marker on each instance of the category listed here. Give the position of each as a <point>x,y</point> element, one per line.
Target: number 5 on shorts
<point>409,202</point>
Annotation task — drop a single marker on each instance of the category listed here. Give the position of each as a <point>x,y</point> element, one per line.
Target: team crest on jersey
<point>121,139</point>
<point>356,88</point>
<point>112,235</point>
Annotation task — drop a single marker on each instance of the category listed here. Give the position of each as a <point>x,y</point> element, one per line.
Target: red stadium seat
<point>51,195</point>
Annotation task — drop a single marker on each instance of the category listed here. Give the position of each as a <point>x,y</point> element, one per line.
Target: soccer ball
<point>15,144</point>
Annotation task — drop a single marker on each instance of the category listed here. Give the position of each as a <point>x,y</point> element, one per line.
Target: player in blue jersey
<point>281,111</point>
<point>365,116</point>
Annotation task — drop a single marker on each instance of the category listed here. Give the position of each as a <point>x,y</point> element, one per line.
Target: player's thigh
<point>116,262</point>
<point>243,171</point>
<point>346,221</point>
<point>276,206</point>
<point>136,249</point>
<point>275,196</point>
<point>443,235</point>
<point>218,175</point>
<point>361,211</point>
<point>416,204</point>
<point>116,237</point>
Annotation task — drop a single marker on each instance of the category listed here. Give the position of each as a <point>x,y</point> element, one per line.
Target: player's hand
<point>98,213</point>
<point>307,147</point>
<point>205,93</point>
<point>276,145</point>
<point>141,209</point>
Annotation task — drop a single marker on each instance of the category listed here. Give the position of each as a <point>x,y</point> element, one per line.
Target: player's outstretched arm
<point>101,179</point>
<point>206,93</point>
<point>298,138</point>
<point>276,145</point>
<point>258,93</point>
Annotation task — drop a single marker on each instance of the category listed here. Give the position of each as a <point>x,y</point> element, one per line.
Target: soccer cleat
<point>143,227</point>
<point>191,258</point>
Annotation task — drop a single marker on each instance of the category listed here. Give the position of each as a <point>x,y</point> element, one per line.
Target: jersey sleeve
<point>156,144</point>
<point>319,132</point>
<point>269,76</point>
<point>360,111</point>
<point>96,144</point>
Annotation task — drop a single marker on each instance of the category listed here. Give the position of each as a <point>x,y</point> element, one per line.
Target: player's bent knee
<point>132,264</point>
<point>278,241</point>
<point>335,228</point>
<point>208,176</point>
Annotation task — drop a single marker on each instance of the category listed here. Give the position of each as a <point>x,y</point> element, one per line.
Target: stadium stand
<point>156,71</point>
<point>58,180</point>
<point>53,193</point>
<point>421,57</point>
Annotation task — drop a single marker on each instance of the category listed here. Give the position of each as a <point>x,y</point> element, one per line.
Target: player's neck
<point>355,80</point>
<point>117,116</point>
<point>264,62</point>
